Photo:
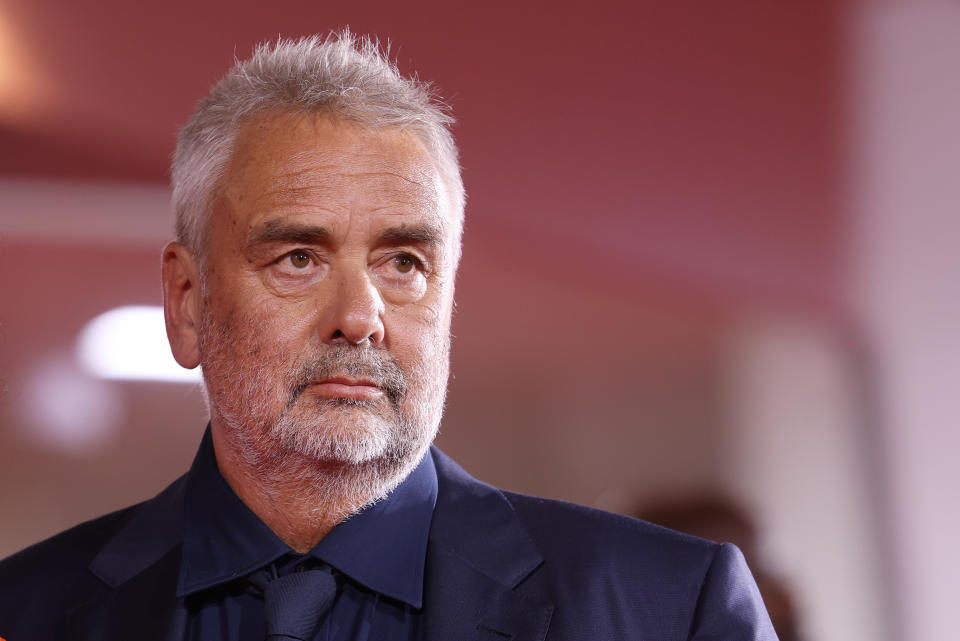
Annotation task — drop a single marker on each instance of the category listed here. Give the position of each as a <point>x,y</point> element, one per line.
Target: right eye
<point>297,267</point>
<point>299,259</point>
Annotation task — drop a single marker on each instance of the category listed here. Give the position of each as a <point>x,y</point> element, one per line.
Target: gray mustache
<point>355,362</point>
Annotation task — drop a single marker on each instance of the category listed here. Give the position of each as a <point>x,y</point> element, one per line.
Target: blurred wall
<point>906,150</point>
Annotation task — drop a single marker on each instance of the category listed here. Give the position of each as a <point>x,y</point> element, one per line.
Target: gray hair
<point>342,75</point>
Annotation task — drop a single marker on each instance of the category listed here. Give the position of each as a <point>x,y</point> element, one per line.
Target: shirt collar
<point>382,547</point>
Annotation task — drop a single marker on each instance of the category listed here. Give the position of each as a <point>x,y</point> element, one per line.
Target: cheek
<point>293,325</point>
<point>434,310</point>
<point>274,322</point>
<point>419,335</point>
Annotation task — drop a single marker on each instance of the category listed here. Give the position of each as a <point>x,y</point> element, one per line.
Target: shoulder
<point>591,552</point>
<point>603,538</point>
<point>69,551</point>
<point>641,576</point>
<point>52,575</point>
<point>628,574</point>
<point>577,534</point>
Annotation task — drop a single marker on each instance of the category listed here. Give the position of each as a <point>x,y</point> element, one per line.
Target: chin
<point>354,455</point>
<point>348,434</point>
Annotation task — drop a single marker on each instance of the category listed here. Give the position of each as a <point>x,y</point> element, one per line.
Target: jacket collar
<point>154,529</point>
<point>479,545</point>
<point>478,554</point>
<point>140,564</point>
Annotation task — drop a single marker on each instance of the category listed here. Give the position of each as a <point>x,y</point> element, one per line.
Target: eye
<point>299,259</point>
<point>404,263</point>
<point>402,276</point>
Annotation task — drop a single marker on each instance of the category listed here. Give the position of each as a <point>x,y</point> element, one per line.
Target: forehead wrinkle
<point>370,174</point>
<point>312,160</point>
<point>295,182</point>
<point>318,197</point>
<point>322,159</point>
<point>296,194</point>
<point>322,179</point>
<point>306,199</point>
<point>411,194</point>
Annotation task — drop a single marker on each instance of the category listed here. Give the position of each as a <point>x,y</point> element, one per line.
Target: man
<point>319,212</point>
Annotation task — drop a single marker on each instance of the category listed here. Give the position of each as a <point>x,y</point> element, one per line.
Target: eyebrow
<point>274,231</point>
<point>418,234</point>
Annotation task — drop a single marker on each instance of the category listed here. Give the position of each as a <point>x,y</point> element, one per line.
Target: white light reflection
<point>130,343</point>
<point>63,408</point>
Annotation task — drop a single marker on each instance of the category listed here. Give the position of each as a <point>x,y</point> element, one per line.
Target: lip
<point>345,387</point>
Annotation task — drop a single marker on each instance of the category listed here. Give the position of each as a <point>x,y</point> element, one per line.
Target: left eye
<point>300,259</point>
<point>404,263</point>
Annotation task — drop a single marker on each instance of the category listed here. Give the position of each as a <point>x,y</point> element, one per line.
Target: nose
<point>356,312</point>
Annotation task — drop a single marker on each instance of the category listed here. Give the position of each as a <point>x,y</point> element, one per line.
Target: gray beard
<point>339,454</point>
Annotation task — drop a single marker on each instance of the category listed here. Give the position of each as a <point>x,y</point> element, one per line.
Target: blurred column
<point>796,457</point>
<point>905,132</point>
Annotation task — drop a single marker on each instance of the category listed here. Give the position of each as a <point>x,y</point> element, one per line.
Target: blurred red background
<point>685,265</point>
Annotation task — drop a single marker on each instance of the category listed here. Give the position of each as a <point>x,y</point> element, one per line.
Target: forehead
<point>302,163</point>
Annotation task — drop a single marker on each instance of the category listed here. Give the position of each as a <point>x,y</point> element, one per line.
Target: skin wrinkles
<point>427,233</point>
<point>266,332</point>
<point>417,244</point>
<point>281,231</point>
<point>418,182</point>
<point>376,199</point>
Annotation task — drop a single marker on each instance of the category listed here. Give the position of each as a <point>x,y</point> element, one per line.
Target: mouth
<point>359,389</point>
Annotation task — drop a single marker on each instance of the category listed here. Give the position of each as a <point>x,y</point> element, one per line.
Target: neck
<point>300,499</point>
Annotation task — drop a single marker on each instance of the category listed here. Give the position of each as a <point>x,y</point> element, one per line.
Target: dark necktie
<point>295,603</point>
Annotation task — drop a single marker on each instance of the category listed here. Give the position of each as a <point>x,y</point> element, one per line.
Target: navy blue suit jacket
<point>500,566</point>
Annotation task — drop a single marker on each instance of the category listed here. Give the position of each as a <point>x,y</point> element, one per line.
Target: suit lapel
<point>478,555</point>
<point>139,567</point>
<point>145,608</point>
<point>470,606</point>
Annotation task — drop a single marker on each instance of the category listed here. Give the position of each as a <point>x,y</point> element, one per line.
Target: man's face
<point>327,293</point>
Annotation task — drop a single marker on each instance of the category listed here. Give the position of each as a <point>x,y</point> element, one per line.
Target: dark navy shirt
<point>377,557</point>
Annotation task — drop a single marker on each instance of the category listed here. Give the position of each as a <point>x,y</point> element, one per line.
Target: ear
<point>181,303</point>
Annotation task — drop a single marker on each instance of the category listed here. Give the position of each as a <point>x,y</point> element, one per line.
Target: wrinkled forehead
<point>292,160</point>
